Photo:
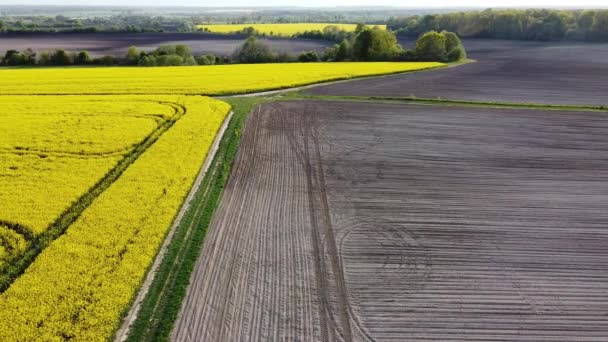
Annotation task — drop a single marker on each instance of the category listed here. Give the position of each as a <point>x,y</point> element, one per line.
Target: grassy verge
<point>162,304</point>
<point>457,103</point>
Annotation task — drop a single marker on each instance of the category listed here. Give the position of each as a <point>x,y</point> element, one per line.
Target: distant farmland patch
<point>278,29</point>
<point>116,44</point>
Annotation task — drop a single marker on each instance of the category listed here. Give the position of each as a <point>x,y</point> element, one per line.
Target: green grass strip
<point>445,102</point>
<point>163,301</point>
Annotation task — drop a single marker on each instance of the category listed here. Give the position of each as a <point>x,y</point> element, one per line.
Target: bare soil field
<point>506,71</point>
<point>375,222</point>
<point>99,44</point>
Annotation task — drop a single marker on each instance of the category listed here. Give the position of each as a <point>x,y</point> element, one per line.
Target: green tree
<point>133,55</point>
<point>29,56</point>
<point>147,61</point>
<point>362,45</point>
<point>206,60</point>
<point>451,40</point>
<point>344,51</point>
<point>329,54</point>
<point>165,50</point>
<point>107,60</point>
<point>189,61</point>
<point>431,46</point>
<point>253,51</point>
<point>82,58</point>
<point>44,58</point>
<point>13,58</point>
<point>310,56</point>
<point>360,28</point>
<point>183,51</point>
<point>600,25</point>
<point>376,44</point>
<point>454,50</point>
<point>60,57</point>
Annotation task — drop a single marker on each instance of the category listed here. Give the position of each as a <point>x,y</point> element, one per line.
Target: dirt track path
<point>375,222</point>
<point>123,333</point>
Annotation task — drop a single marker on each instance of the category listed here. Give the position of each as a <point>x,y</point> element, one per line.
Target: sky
<point>324,3</point>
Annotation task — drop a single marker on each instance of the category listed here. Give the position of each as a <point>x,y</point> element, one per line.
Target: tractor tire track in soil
<point>374,222</point>
<point>123,332</point>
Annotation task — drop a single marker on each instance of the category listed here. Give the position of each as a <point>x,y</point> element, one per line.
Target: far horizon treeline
<point>519,24</point>
<point>531,24</point>
<point>366,44</point>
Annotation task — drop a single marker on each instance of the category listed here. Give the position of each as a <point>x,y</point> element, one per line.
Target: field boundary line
<point>341,80</point>
<point>453,103</point>
<point>123,333</point>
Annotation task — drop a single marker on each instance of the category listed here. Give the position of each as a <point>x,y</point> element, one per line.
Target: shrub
<point>456,54</point>
<point>253,51</point>
<point>310,56</point>
<point>133,55</point>
<point>431,46</point>
<point>344,51</point>
<point>82,58</point>
<point>60,57</point>
<point>375,45</point>
<point>206,60</point>
<point>147,61</point>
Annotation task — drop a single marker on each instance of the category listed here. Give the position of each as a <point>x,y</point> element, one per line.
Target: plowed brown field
<point>505,71</point>
<point>375,222</point>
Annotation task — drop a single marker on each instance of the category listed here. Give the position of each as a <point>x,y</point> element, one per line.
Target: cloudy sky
<point>325,3</point>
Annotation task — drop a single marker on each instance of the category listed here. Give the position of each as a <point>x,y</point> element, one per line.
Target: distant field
<point>113,171</point>
<point>200,80</point>
<point>505,71</point>
<point>116,44</point>
<point>278,29</point>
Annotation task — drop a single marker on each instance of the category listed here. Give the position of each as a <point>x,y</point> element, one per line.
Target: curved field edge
<point>37,243</point>
<point>219,80</point>
<point>163,302</point>
<point>81,285</point>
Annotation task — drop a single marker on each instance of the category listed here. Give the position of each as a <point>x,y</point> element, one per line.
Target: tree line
<point>531,24</point>
<point>112,24</point>
<point>376,44</point>
<point>366,44</point>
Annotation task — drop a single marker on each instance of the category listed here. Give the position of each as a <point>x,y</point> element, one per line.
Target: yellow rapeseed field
<point>79,286</point>
<point>54,148</point>
<point>287,29</point>
<point>202,80</point>
<point>57,148</point>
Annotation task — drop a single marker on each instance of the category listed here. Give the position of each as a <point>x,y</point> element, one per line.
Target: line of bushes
<point>381,45</point>
<point>58,57</point>
<point>366,44</point>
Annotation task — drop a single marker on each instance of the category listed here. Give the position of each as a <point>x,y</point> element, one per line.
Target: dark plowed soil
<point>118,43</point>
<point>506,71</point>
<point>376,222</point>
